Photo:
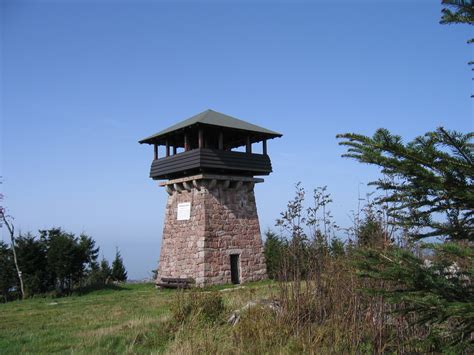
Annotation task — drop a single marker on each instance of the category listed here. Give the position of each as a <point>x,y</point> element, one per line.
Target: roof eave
<point>157,136</point>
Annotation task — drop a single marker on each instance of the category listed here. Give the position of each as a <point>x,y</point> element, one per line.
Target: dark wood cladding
<point>210,160</point>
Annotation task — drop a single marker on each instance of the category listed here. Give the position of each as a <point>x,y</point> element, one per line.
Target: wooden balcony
<point>212,161</point>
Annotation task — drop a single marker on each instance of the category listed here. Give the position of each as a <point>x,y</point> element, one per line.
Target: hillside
<point>134,318</point>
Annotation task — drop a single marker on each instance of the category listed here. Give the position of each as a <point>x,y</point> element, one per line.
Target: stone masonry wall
<point>223,221</point>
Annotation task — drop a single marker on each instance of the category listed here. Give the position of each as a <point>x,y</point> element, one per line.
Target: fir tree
<point>369,230</point>
<point>105,271</point>
<point>425,180</point>
<point>429,183</point>
<point>458,12</point>
<point>274,252</point>
<point>7,272</point>
<point>118,269</point>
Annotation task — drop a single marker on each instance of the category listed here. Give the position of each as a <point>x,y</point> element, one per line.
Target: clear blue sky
<point>82,82</point>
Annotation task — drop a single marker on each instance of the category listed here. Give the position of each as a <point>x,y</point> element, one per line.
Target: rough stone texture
<point>223,221</point>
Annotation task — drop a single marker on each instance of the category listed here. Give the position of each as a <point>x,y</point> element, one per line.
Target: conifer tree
<point>273,251</point>
<point>7,272</point>
<point>119,272</point>
<point>105,271</point>
<point>427,179</point>
<point>429,183</point>
<point>458,12</point>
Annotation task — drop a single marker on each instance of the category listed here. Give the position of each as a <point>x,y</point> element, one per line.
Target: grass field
<point>130,319</point>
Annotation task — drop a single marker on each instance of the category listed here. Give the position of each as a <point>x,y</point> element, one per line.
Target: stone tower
<point>211,232</point>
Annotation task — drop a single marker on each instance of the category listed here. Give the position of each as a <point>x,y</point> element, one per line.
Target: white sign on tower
<point>184,211</point>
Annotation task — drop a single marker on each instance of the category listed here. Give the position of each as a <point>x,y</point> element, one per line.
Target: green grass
<point>132,319</point>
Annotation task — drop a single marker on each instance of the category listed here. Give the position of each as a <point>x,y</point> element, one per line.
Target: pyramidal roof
<point>214,118</point>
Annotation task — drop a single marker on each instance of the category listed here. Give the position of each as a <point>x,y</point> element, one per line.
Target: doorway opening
<point>234,269</point>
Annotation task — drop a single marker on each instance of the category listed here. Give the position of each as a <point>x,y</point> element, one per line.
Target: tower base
<point>211,232</point>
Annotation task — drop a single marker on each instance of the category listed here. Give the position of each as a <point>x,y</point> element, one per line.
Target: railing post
<point>264,146</point>
<point>167,148</point>
<point>200,138</point>
<point>249,146</point>
<point>155,149</point>
<point>221,140</point>
<point>186,142</point>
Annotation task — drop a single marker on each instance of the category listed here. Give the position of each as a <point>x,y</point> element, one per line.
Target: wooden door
<point>234,269</point>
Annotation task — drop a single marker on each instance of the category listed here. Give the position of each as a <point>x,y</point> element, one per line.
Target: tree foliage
<point>105,271</point>
<point>53,262</point>
<point>274,252</point>
<point>428,181</point>
<point>69,258</point>
<point>436,293</point>
<point>457,12</point>
<point>428,184</point>
<point>119,273</point>
<point>370,229</point>
<point>8,277</point>
<point>32,257</point>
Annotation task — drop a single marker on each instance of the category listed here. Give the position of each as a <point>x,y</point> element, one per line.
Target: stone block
<point>223,222</point>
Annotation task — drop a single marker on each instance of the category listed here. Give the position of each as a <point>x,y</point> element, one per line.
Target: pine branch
<point>456,145</point>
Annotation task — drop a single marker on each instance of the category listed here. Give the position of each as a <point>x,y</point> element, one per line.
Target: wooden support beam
<point>167,148</point>
<point>212,184</point>
<point>221,140</point>
<point>186,142</point>
<point>264,146</point>
<point>155,151</point>
<point>249,146</point>
<point>175,150</point>
<point>200,138</point>
<point>205,179</point>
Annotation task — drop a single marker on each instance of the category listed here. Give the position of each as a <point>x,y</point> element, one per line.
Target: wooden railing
<point>210,160</point>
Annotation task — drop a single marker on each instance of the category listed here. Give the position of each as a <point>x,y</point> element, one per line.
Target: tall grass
<point>325,305</point>
<point>329,308</point>
<point>325,311</point>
